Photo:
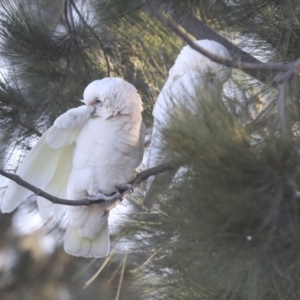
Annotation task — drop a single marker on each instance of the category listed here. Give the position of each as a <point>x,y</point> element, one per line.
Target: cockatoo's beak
<point>94,108</point>
<point>94,111</point>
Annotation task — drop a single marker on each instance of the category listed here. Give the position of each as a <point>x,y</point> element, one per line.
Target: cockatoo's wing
<point>179,93</point>
<point>48,164</point>
<point>173,97</point>
<point>156,155</point>
<point>56,185</point>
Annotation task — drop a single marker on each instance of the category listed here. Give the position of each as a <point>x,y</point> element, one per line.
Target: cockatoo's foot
<point>122,187</point>
<point>102,196</point>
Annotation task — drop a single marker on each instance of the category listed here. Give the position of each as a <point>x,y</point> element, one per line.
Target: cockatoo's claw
<point>102,196</point>
<point>122,187</point>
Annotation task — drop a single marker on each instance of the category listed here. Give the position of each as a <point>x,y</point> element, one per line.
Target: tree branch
<point>94,34</point>
<point>71,21</point>
<point>287,70</point>
<point>66,15</point>
<point>195,27</point>
<point>115,197</point>
<point>290,68</point>
<point>282,90</point>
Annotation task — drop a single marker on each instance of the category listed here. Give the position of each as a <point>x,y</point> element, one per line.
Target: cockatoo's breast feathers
<point>191,60</point>
<point>112,96</point>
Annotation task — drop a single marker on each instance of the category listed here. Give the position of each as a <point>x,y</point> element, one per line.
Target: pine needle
<point>122,276</point>
<point>83,270</point>
<point>147,261</point>
<point>100,269</point>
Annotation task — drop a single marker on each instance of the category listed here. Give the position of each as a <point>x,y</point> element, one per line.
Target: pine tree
<point>227,228</point>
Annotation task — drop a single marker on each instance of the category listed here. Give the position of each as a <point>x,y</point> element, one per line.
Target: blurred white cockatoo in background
<point>89,150</point>
<point>192,77</point>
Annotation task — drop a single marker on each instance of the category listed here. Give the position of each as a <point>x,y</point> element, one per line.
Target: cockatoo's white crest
<point>112,96</point>
<point>89,149</point>
<point>191,60</point>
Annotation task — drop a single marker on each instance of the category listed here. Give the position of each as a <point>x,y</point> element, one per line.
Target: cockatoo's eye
<point>99,102</point>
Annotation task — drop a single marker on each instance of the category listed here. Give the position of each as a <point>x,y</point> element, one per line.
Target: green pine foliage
<point>228,228</point>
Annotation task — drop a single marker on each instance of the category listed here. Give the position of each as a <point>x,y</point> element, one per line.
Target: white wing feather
<point>57,185</point>
<point>51,156</point>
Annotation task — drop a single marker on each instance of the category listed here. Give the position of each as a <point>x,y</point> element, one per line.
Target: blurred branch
<point>116,198</point>
<point>100,269</point>
<point>71,19</point>
<point>66,15</point>
<point>94,34</point>
<point>72,33</point>
<point>281,81</point>
<point>121,277</point>
<point>282,89</point>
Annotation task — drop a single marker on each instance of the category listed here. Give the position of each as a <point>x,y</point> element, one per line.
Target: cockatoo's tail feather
<point>89,237</point>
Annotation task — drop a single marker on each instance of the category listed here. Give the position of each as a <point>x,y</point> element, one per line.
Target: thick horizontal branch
<point>142,176</point>
<point>200,31</point>
<point>291,67</point>
<point>116,198</point>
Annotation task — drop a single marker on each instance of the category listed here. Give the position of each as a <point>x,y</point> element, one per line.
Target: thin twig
<point>282,88</point>
<point>115,197</point>
<point>66,15</point>
<point>71,21</point>
<point>83,270</point>
<point>290,68</point>
<point>121,277</point>
<point>94,34</point>
<point>72,33</point>
<point>146,262</point>
<point>88,76</point>
<point>100,270</point>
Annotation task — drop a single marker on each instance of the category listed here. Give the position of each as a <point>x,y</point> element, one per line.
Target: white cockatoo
<point>192,77</point>
<point>89,150</point>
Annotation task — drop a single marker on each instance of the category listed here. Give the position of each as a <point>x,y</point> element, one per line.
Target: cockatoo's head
<point>191,60</point>
<point>112,96</point>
